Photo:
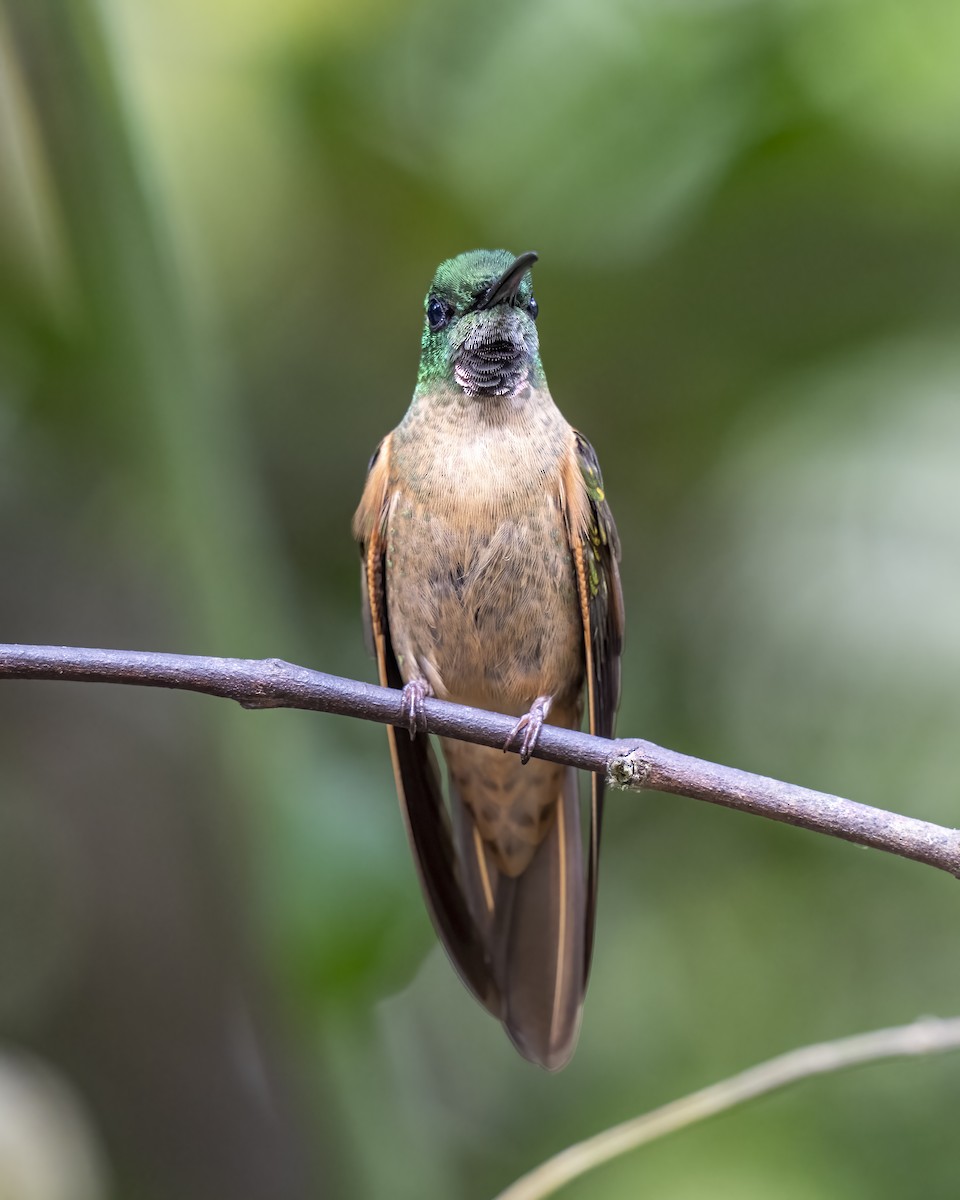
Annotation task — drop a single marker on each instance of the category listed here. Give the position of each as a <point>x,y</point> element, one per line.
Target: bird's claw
<point>529,725</point>
<point>411,705</point>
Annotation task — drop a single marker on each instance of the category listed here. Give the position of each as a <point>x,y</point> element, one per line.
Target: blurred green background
<point>217,222</point>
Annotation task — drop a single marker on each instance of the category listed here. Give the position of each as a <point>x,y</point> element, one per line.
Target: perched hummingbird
<point>490,578</point>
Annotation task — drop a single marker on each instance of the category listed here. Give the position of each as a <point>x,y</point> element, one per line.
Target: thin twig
<point>927,1036</point>
<point>632,764</point>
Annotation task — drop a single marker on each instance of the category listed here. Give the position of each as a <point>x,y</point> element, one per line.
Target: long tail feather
<point>538,941</point>
<point>478,871</point>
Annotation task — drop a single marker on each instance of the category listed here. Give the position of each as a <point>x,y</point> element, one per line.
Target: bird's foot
<point>411,705</point>
<point>529,725</point>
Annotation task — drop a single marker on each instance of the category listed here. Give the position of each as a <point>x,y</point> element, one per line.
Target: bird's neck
<point>495,445</point>
<point>447,406</point>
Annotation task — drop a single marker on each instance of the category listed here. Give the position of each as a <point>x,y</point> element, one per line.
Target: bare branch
<point>927,1036</point>
<point>632,764</point>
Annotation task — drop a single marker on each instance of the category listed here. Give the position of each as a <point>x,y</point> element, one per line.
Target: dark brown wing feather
<point>417,776</point>
<point>596,553</point>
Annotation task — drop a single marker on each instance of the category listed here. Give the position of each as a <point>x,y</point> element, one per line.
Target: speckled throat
<point>492,362</point>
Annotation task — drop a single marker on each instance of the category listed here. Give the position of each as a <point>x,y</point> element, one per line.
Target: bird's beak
<point>504,289</point>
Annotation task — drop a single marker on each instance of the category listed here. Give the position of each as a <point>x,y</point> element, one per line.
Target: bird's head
<point>479,331</point>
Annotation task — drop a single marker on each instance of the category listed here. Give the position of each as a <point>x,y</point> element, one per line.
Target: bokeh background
<point>218,219</point>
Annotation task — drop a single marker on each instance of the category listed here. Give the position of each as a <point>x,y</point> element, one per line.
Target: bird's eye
<point>533,307</point>
<point>438,313</point>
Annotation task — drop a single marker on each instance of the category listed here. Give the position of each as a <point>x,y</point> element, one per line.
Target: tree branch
<point>927,1036</point>
<point>632,764</point>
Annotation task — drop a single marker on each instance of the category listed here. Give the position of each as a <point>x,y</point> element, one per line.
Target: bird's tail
<point>534,927</point>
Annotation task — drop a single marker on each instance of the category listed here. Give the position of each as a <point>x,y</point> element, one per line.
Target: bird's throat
<point>492,363</point>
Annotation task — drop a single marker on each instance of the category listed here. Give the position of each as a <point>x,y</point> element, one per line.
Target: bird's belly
<point>487,611</point>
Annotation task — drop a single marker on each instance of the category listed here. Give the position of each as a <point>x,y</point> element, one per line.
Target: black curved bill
<point>504,289</point>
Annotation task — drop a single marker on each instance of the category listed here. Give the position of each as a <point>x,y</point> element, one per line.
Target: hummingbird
<point>490,578</point>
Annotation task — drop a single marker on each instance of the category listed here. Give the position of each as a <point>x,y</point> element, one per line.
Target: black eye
<point>533,307</point>
<point>438,313</point>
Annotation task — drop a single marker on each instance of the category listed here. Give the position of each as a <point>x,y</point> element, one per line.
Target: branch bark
<point>632,764</point>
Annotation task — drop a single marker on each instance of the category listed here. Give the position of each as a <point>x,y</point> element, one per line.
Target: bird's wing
<point>414,764</point>
<point>596,553</point>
